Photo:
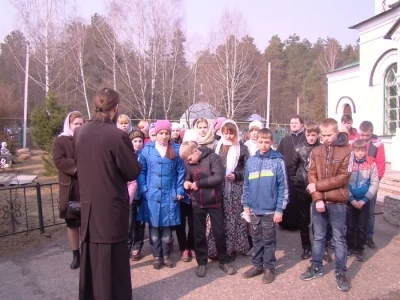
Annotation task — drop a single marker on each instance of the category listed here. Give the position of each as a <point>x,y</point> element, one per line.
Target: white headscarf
<point>233,155</point>
<point>129,123</point>
<point>67,129</point>
<point>209,137</point>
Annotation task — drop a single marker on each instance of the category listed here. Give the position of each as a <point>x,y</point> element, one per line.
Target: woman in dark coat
<point>105,163</point>
<point>64,161</point>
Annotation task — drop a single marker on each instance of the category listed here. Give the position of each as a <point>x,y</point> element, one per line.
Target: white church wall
<point>343,86</point>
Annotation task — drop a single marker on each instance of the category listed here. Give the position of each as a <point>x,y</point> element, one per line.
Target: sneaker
<point>157,263</point>
<point>250,251</point>
<point>371,244</point>
<point>252,272</point>
<point>201,271</point>
<point>185,256</point>
<point>269,276</point>
<point>136,255</point>
<point>167,261</point>
<point>327,257</point>
<point>227,269</point>
<point>311,273</point>
<point>360,255</point>
<point>342,283</point>
<point>306,254</point>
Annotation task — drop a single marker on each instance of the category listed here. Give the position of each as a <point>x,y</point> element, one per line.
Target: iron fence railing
<point>28,207</point>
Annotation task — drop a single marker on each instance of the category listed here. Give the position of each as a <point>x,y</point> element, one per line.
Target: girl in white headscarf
<point>234,156</point>
<point>124,123</point>
<point>64,161</point>
<point>205,132</point>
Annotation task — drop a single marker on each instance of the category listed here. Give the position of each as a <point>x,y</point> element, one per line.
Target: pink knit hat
<point>162,124</point>
<point>218,124</point>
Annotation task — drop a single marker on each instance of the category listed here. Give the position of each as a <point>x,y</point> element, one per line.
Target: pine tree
<point>47,121</point>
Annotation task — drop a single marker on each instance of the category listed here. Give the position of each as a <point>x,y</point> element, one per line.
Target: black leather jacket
<point>299,164</point>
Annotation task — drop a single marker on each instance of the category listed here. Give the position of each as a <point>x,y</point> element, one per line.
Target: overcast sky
<point>307,18</point>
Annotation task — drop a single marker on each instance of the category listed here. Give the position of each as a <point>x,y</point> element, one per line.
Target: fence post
<point>40,210</point>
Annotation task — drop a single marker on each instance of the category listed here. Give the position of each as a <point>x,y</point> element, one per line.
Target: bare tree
<point>233,74</point>
<point>41,21</point>
<point>76,39</point>
<point>329,58</point>
<point>147,30</point>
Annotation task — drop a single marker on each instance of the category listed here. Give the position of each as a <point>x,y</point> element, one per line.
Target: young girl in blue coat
<point>161,184</point>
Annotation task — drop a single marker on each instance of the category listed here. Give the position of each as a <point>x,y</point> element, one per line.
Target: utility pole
<point>268,96</point>
<point>26,95</point>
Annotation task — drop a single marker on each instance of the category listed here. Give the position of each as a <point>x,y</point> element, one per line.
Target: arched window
<point>347,109</point>
<point>392,107</point>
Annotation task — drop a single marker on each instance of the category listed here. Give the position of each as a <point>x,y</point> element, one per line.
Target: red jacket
<point>376,149</point>
<point>354,135</point>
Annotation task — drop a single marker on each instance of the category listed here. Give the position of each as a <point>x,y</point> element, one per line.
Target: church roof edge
<point>394,6</point>
<point>388,35</point>
<point>348,66</point>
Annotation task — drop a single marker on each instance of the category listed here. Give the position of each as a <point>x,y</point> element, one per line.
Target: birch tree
<point>77,37</point>
<point>233,74</point>
<point>147,29</point>
<point>41,22</point>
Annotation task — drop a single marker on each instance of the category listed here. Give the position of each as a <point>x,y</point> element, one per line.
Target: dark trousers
<point>217,227</point>
<point>304,201</point>
<point>264,240</point>
<point>185,242</point>
<point>357,221</point>
<point>290,218</point>
<point>136,228</point>
<point>160,237</point>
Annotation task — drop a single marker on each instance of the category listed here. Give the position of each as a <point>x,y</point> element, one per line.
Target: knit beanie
<point>190,136</point>
<point>136,134</point>
<point>218,124</point>
<point>161,125</point>
<point>176,125</point>
<point>257,124</point>
<point>151,128</point>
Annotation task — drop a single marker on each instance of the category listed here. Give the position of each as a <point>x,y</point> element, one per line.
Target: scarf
<point>232,157</point>
<point>209,137</point>
<point>161,149</point>
<point>67,129</point>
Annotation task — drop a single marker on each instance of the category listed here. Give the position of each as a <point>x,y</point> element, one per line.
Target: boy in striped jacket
<point>363,186</point>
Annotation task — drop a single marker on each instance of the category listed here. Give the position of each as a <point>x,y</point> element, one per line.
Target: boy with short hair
<point>298,171</point>
<point>204,177</point>
<point>347,122</point>
<point>375,149</point>
<point>363,185</point>
<point>328,178</point>
<point>265,195</point>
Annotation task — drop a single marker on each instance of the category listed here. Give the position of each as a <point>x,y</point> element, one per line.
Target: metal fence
<point>29,207</point>
<point>14,129</point>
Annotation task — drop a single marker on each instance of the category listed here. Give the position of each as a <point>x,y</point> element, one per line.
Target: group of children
<point>212,181</point>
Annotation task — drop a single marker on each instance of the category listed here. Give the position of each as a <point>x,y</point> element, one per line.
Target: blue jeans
<point>160,237</point>
<point>336,215</point>
<point>371,217</point>
<point>264,241</point>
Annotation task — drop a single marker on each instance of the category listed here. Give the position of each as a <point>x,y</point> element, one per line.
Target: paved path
<point>43,273</point>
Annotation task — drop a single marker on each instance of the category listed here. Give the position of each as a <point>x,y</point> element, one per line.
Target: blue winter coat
<point>160,181</point>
